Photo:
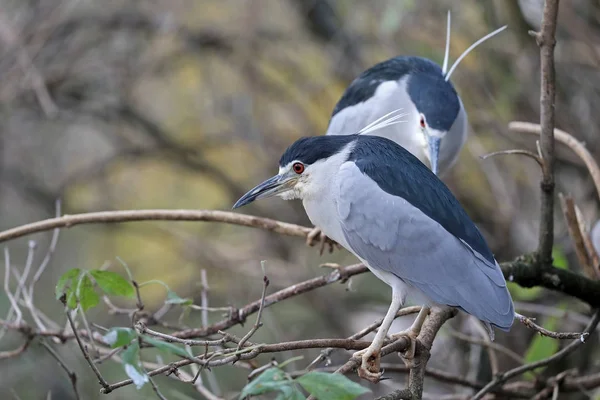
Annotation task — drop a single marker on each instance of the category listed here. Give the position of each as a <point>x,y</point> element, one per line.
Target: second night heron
<point>436,127</point>
<point>386,207</point>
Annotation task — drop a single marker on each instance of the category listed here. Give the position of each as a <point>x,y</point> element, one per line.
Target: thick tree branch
<point>525,271</point>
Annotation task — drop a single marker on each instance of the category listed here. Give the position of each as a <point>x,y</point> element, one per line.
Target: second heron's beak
<point>271,187</point>
<point>434,151</point>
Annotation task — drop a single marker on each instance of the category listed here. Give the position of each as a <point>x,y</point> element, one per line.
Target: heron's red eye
<point>298,168</point>
<point>422,122</point>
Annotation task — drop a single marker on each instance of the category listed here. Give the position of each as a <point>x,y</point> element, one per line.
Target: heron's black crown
<point>433,96</point>
<point>399,173</point>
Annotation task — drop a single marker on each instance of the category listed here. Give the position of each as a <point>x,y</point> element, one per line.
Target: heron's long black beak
<point>434,152</point>
<point>271,187</point>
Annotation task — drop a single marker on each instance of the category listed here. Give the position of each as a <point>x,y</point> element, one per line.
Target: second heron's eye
<point>298,168</point>
<point>422,121</point>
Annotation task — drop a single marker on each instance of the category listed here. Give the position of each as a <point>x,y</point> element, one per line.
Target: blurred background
<point>127,104</point>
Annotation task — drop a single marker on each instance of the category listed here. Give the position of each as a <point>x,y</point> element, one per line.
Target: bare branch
<point>291,291</point>
<point>530,367</point>
<point>101,379</point>
<point>587,241</point>
<point>16,352</point>
<point>261,307</point>
<point>568,207</point>
<point>516,151</point>
<point>59,360</point>
<point>545,332</point>
<point>487,343</point>
<point>11,299</point>
<point>546,41</point>
<point>107,217</point>
<point>565,138</point>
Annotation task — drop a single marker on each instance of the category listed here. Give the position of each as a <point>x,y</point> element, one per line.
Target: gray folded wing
<point>394,235</point>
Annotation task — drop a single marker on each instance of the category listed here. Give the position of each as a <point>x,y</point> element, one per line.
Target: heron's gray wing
<point>393,235</point>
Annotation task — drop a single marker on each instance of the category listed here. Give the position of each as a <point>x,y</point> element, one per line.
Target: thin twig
<point>528,322</point>
<point>16,352</point>
<point>11,299</point>
<point>567,139</point>
<point>531,366</point>
<point>187,342</point>
<point>258,322</point>
<point>59,360</point>
<point>101,380</point>
<point>156,390</point>
<point>587,241</point>
<point>568,207</point>
<point>515,151</point>
<point>20,284</point>
<point>49,252</point>
<point>291,291</point>
<point>204,298</point>
<point>485,343</point>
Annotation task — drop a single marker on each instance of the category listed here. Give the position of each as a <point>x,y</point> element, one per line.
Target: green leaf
<point>273,379</point>
<point>113,284</point>
<point>524,294</point>
<point>131,363</point>
<point>87,295</point>
<point>131,355</point>
<point>117,337</point>
<point>66,278</point>
<point>331,386</point>
<point>290,392</point>
<point>560,260</point>
<point>173,298</point>
<point>166,346</point>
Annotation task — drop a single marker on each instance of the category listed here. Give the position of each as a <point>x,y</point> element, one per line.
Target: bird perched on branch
<point>436,127</point>
<point>385,206</point>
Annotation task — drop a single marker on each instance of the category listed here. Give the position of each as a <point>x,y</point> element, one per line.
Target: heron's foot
<point>408,355</point>
<point>370,361</point>
<point>317,236</point>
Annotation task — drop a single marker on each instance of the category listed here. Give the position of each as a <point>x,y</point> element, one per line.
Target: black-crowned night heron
<point>436,127</point>
<point>386,207</point>
<point>436,121</point>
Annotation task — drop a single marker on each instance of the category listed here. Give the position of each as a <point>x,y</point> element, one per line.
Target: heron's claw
<point>408,355</point>
<point>370,361</point>
<point>317,236</point>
